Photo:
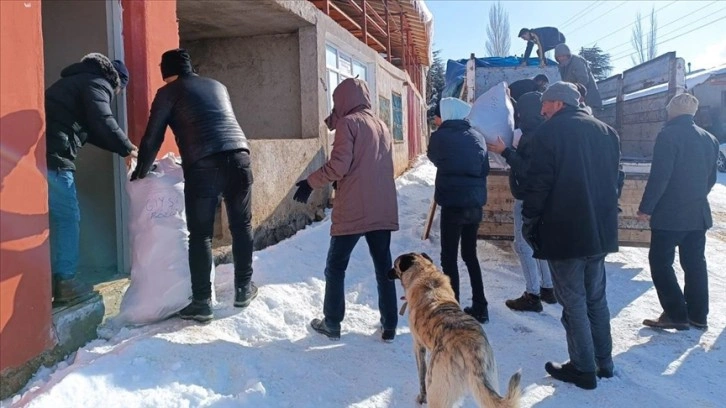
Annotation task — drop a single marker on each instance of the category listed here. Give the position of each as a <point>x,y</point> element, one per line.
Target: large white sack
<point>492,115</point>
<point>160,279</point>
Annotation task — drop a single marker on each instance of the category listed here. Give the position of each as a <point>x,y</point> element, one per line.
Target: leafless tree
<point>645,45</point>
<point>498,41</point>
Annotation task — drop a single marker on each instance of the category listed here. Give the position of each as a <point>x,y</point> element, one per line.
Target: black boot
<point>199,310</point>
<point>70,290</point>
<point>547,295</point>
<point>525,303</point>
<point>243,296</point>
<point>568,373</point>
<point>665,322</point>
<point>478,311</point>
<point>320,326</point>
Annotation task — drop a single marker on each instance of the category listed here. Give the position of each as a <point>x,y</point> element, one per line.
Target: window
<point>397,129</point>
<point>384,110</point>
<point>341,66</point>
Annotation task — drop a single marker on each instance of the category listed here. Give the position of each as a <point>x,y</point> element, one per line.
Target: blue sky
<point>460,27</point>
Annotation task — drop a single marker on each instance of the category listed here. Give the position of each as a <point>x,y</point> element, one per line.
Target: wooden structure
<point>635,106</point>
<point>394,28</point>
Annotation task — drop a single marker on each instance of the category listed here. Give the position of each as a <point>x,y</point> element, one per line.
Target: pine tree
<point>435,79</point>
<point>599,61</point>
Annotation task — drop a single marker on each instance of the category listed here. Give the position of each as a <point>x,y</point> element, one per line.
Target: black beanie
<point>176,62</point>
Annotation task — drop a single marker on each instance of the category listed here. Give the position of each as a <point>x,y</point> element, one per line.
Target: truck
<point>633,103</point>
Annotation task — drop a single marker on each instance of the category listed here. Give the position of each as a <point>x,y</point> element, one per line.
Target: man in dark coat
<point>575,69</point>
<point>570,216</point>
<point>216,162</point>
<point>77,110</point>
<point>522,86</point>
<point>546,39</point>
<point>462,166</point>
<point>536,271</point>
<point>675,201</point>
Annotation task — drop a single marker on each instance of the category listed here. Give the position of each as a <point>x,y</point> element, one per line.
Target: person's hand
<point>303,191</point>
<point>542,64</point>
<point>524,63</point>
<point>498,146</point>
<point>134,152</point>
<point>643,217</point>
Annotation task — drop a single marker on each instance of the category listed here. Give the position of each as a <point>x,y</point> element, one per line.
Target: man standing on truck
<point>675,202</point>
<point>575,69</point>
<point>546,39</point>
<point>575,168</point>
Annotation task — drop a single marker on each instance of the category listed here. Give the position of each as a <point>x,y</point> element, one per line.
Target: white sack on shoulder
<point>492,115</point>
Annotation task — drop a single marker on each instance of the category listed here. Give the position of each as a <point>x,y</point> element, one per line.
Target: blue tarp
<point>456,70</point>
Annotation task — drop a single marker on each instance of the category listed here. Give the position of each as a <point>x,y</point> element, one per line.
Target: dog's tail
<point>487,396</point>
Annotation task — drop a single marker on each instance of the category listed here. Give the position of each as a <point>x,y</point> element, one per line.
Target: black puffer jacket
<point>681,176</point>
<point>78,110</point>
<point>572,186</point>
<point>200,114</point>
<point>530,117</point>
<point>462,165</point>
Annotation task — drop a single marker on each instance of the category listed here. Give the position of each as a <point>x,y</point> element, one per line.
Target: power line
<point>674,37</point>
<point>680,19</point>
<point>641,18</point>
<point>578,14</point>
<point>597,18</point>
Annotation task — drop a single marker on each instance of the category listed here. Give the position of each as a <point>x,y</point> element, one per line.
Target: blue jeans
<point>536,271</point>
<point>65,223</point>
<point>580,288</point>
<point>379,246</point>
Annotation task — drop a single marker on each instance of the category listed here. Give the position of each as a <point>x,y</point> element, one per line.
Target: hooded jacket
<point>530,118</point>
<point>361,163</point>
<point>78,110</point>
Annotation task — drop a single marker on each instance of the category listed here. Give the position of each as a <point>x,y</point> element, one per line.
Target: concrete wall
<point>25,310</point>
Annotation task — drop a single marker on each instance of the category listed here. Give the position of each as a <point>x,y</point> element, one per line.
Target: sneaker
<point>525,303</point>
<point>664,322</point>
<point>199,310</point>
<point>479,312</point>
<point>320,326</point>
<point>244,296</point>
<point>548,295</point>
<point>388,335</point>
<point>69,290</point>
<point>569,374</point>
<point>697,325</point>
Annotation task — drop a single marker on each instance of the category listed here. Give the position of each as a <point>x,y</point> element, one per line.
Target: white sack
<point>160,279</point>
<point>492,115</point>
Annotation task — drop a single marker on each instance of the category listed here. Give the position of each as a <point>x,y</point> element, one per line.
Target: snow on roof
<point>692,80</point>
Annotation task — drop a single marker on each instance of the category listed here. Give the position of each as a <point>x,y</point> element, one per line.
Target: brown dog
<point>460,357</point>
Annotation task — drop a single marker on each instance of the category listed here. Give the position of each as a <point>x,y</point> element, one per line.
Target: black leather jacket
<point>200,114</point>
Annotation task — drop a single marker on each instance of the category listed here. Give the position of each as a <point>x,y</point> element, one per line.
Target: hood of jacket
<point>351,96</point>
<point>454,109</point>
<point>97,64</point>
<point>529,108</point>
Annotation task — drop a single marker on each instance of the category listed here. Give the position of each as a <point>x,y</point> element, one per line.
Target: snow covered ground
<point>267,356</point>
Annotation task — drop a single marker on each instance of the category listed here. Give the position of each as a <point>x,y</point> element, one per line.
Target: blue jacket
<point>462,163</point>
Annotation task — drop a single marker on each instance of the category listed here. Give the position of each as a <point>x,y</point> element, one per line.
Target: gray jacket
<point>577,70</point>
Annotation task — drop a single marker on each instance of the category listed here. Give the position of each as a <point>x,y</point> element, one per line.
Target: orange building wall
<point>25,309</point>
<point>150,28</point>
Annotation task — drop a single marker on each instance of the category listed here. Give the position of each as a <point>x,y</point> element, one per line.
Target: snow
<point>692,80</point>
<point>267,356</point>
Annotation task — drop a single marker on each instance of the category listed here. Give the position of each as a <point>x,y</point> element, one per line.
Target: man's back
<point>682,174</point>
<point>572,186</point>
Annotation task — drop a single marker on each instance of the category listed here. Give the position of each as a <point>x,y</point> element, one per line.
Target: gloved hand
<point>303,191</point>
<point>530,232</point>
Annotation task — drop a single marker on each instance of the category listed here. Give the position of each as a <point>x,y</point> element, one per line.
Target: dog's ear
<point>425,255</point>
<point>405,261</point>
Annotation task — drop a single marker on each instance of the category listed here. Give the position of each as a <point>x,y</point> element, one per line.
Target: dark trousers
<point>692,302</point>
<point>462,224</point>
<point>226,175</point>
<point>379,246</point>
<point>580,286</point>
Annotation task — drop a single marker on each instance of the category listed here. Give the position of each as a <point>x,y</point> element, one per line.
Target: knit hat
<point>682,104</point>
<point>562,91</point>
<point>123,73</point>
<point>562,49</point>
<point>176,62</point>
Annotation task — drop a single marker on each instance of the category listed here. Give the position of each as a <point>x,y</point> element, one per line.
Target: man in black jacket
<point>536,272</point>
<point>216,162</point>
<point>675,201</point>
<point>77,110</point>
<point>546,39</point>
<point>571,219</point>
